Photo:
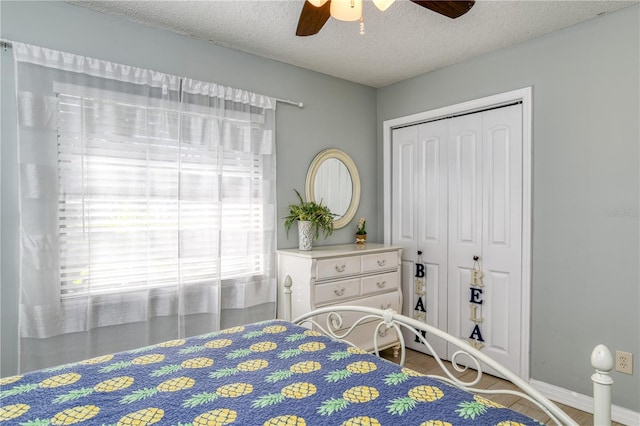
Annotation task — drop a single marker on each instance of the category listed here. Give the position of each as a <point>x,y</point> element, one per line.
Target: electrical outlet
<point>624,362</point>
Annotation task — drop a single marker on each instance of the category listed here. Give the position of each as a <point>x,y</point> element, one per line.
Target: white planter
<point>305,235</point>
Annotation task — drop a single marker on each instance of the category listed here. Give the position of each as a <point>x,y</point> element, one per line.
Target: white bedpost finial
<point>602,361</point>
<point>288,283</point>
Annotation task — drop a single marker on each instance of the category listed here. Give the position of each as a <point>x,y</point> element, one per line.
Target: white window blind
<point>144,204</point>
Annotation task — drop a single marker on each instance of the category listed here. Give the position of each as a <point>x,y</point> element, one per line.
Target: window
<point>146,206</point>
<point>146,202</point>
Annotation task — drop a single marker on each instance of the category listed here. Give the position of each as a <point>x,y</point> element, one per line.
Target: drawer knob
<point>382,262</point>
<point>339,291</point>
<point>382,332</point>
<point>381,284</point>
<point>341,268</point>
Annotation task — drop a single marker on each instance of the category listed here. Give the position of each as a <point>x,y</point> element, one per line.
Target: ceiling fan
<point>315,13</point>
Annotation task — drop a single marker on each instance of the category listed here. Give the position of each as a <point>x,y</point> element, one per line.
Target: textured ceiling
<point>404,41</point>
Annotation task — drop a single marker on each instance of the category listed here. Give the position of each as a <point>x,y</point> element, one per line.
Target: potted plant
<point>361,231</point>
<point>312,218</point>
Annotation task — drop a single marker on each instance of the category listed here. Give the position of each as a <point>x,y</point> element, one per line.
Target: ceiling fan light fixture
<point>318,3</point>
<point>346,10</point>
<point>383,5</point>
<point>315,13</point>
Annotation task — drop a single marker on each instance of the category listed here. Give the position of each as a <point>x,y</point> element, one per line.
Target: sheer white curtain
<point>147,206</point>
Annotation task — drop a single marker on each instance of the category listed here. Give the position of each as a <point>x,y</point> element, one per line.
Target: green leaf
<point>208,336</point>
<point>167,369</point>
<point>332,405</point>
<point>238,353</point>
<point>289,353</point>
<point>266,400</point>
<point>115,366</point>
<point>295,337</point>
<point>138,395</point>
<point>191,350</point>
<point>17,390</point>
<point>337,375</point>
<point>253,334</point>
<point>72,395</point>
<point>337,356</point>
<point>223,372</point>
<point>36,422</point>
<point>399,406</point>
<point>199,399</point>
<point>395,378</point>
<point>471,409</point>
<point>276,376</point>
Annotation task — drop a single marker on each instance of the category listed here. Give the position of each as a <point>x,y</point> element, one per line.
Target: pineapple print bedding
<point>270,373</point>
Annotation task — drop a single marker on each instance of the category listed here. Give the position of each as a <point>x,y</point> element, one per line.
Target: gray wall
<point>337,113</point>
<point>586,135</point>
<point>585,152</point>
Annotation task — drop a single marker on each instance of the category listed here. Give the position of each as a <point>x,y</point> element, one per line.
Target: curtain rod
<point>7,44</point>
<point>288,102</point>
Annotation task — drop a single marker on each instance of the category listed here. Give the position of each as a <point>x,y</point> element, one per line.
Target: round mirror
<point>333,180</point>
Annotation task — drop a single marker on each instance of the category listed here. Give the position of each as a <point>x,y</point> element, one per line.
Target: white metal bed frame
<point>601,358</point>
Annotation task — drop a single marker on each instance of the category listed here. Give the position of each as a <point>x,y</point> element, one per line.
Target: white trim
<point>527,230</point>
<point>583,402</point>
<point>524,95</point>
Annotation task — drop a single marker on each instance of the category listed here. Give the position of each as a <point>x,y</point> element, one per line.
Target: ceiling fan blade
<point>450,8</point>
<point>312,18</point>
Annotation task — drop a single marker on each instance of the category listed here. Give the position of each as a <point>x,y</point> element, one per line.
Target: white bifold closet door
<point>456,194</point>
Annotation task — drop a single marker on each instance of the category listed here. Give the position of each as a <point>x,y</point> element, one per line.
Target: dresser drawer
<point>379,261</point>
<point>381,301</point>
<point>338,267</point>
<point>379,283</point>
<point>363,335</point>
<point>329,293</point>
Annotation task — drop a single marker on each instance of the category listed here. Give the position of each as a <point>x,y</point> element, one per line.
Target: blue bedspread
<point>270,373</point>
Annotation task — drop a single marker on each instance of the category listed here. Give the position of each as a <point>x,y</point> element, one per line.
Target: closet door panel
<point>502,178</point>
<point>466,151</point>
<point>465,216</point>
<point>498,183</point>
<point>408,296</point>
<point>404,175</point>
<point>432,183</point>
<point>431,226</point>
<point>502,228</point>
<point>497,312</point>
<point>404,213</point>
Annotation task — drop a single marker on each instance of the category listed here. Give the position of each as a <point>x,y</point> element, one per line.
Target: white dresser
<point>343,275</point>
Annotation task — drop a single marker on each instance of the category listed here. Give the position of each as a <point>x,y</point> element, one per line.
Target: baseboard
<point>584,402</point>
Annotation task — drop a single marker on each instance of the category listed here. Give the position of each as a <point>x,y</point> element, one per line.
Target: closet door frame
<point>523,95</point>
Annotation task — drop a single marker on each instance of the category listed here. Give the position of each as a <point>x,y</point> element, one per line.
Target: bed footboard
<point>466,357</point>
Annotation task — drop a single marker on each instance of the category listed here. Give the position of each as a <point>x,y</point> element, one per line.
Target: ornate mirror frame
<point>318,161</point>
